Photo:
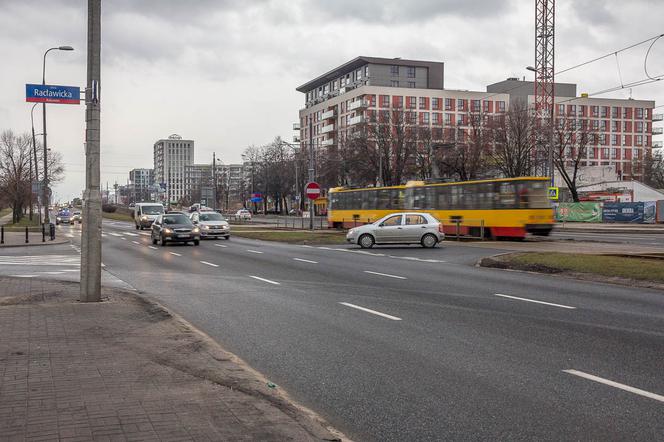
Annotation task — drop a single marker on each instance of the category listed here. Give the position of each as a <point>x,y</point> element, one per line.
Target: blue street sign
<point>256,200</point>
<point>40,93</point>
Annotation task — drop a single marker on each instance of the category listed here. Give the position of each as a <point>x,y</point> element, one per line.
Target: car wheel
<point>141,227</point>
<point>366,241</point>
<point>136,226</point>
<point>163,241</point>
<point>196,242</point>
<point>227,237</point>
<point>154,241</point>
<point>429,240</point>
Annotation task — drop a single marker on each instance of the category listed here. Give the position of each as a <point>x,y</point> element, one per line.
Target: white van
<point>146,213</point>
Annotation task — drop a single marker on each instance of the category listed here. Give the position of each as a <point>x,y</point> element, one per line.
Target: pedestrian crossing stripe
<point>41,260</point>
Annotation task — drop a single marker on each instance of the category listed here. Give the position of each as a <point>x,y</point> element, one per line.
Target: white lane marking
<point>537,302</point>
<point>173,253</point>
<point>368,310</point>
<point>152,247</point>
<point>131,234</point>
<point>308,247</point>
<point>123,238</point>
<point>385,274</point>
<point>103,235</point>
<point>265,280</point>
<point>144,234</point>
<point>115,234</point>
<point>638,391</point>
<point>253,251</point>
<point>23,276</point>
<point>208,264</point>
<point>136,242</point>
<point>220,245</point>
<point>305,260</point>
<point>69,235</point>
<point>51,273</point>
<point>71,270</point>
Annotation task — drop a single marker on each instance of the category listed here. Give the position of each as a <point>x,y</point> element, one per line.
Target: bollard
<point>2,234</point>
<point>43,233</point>
<point>52,231</point>
<point>26,234</point>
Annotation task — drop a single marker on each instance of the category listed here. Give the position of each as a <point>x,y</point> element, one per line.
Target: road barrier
<point>298,222</point>
<point>27,231</point>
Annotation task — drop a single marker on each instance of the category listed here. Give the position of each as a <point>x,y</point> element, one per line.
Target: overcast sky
<point>224,72</point>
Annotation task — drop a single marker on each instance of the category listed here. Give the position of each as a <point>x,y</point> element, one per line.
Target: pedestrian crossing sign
<point>553,193</point>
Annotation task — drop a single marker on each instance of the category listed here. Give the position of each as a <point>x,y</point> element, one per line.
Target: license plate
<point>184,236</point>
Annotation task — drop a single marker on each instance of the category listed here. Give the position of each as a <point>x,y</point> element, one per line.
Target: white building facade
<point>171,157</point>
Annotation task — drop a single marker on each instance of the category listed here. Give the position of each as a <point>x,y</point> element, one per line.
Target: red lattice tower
<point>544,75</point>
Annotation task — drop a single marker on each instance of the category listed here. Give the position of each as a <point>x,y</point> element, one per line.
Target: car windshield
<point>153,210</point>
<point>211,217</point>
<point>176,219</point>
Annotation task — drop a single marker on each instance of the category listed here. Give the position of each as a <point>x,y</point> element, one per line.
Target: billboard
<point>45,93</point>
<point>585,212</point>
<point>623,212</point>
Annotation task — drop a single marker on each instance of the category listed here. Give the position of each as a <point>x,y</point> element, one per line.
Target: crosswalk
<point>41,260</point>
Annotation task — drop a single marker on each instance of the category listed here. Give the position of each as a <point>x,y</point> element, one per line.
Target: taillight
<point>440,228</point>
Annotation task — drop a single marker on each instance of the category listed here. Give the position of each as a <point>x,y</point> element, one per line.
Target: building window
<point>384,101</point>
<point>423,103</point>
<point>615,126</point>
<point>425,117</point>
<point>394,70</point>
<point>638,140</point>
<point>394,83</point>
<point>397,101</point>
<point>411,102</point>
<point>485,106</point>
<point>638,126</point>
<point>572,109</point>
<point>625,123</point>
<point>614,140</point>
<point>582,110</point>
<point>602,139</point>
<point>411,117</point>
<point>460,120</point>
<point>638,113</point>
<point>461,104</point>
<point>475,105</point>
<point>366,71</point>
<point>411,84</point>
<point>605,152</point>
<point>595,111</point>
<point>448,119</point>
<point>624,140</point>
<point>501,106</point>
<point>448,104</point>
<point>435,103</point>
<point>604,126</point>
<point>605,112</point>
<point>615,112</point>
<point>561,109</point>
<point>614,153</point>
<point>435,118</point>
<point>410,70</point>
<point>595,124</point>
<point>625,112</point>
<point>635,153</point>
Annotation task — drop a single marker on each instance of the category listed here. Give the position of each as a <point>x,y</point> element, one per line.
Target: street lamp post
<point>34,156</point>
<point>45,184</point>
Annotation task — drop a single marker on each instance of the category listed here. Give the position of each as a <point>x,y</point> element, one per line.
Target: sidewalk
<point>126,369</point>
<point>16,239</point>
<point>608,227</point>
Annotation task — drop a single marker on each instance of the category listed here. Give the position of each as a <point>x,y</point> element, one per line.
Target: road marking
<point>123,238</point>
<point>538,302</point>
<point>308,247</point>
<point>136,242</point>
<point>71,270</point>
<point>69,235</point>
<point>265,280</point>
<point>131,234</point>
<point>115,234</point>
<point>385,274</point>
<point>306,260</point>
<point>103,235</point>
<point>52,273</point>
<point>173,253</point>
<point>253,251</point>
<point>152,247</point>
<point>23,276</point>
<point>208,264</point>
<point>144,234</point>
<point>220,245</point>
<point>638,391</point>
<point>374,312</point>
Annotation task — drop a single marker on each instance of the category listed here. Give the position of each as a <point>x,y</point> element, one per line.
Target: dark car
<point>63,216</point>
<point>174,227</point>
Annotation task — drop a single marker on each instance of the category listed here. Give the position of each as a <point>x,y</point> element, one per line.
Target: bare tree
<point>513,149</point>
<point>465,153</point>
<point>653,166</point>
<point>571,141</point>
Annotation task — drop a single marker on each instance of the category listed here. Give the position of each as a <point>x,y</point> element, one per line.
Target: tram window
<point>334,200</point>
<point>506,195</point>
<point>417,198</point>
<point>537,194</point>
<point>484,196</point>
<point>383,199</point>
<point>396,196</point>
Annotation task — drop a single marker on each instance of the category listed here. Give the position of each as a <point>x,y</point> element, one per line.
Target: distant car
<point>77,217</point>
<point>63,217</point>
<point>243,214</point>
<point>399,228</point>
<point>174,227</point>
<point>146,213</point>
<point>212,224</point>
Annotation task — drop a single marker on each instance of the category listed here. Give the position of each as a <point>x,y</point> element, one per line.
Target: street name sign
<point>46,93</point>
<point>312,190</point>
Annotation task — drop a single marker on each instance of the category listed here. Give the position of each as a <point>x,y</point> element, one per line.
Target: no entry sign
<point>312,190</point>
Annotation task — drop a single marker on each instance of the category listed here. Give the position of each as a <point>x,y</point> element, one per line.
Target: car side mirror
<point>381,225</point>
<point>195,222</point>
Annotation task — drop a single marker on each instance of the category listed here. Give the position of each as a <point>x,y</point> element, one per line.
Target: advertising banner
<point>584,212</point>
<point>623,212</point>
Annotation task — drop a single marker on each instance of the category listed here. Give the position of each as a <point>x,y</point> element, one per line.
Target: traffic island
<point>126,368</point>
<point>633,270</point>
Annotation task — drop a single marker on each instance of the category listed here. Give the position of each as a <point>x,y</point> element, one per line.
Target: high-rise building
<point>141,182</point>
<point>368,89</point>
<point>171,156</point>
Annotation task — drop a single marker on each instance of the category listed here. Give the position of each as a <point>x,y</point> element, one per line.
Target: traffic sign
<point>312,190</point>
<point>46,93</point>
<point>553,193</point>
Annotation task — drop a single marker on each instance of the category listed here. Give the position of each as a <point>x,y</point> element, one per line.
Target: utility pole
<point>311,169</point>
<point>91,229</point>
<point>214,179</point>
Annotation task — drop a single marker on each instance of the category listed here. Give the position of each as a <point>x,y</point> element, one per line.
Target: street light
<point>45,184</point>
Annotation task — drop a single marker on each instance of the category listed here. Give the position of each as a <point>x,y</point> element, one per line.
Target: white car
<point>243,214</point>
<point>399,228</point>
<point>212,224</point>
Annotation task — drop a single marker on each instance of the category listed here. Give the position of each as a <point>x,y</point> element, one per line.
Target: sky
<point>224,72</point>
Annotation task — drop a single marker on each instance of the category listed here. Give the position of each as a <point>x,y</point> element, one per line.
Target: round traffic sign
<point>312,190</point>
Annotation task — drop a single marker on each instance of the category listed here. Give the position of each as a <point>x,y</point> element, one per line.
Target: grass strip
<point>611,266</point>
<point>117,216</point>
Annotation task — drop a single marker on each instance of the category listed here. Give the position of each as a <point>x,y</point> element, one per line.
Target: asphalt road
<point>404,343</point>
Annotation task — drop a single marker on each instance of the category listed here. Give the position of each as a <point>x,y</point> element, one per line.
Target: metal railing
<point>459,228</point>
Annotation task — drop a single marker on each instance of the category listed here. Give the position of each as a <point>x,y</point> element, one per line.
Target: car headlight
<point>196,230</point>
<point>351,231</point>
<point>58,218</point>
<point>144,218</point>
<point>168,231</point>
<point>206,227</point>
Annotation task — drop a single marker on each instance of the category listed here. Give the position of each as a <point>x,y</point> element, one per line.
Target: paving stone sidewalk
<point>126,369</point>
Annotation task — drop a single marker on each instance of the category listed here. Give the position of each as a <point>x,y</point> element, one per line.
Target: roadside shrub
<point>108,208</point>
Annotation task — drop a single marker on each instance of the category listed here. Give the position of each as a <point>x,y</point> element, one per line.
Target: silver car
<point>212,224</point>
<point>399,228</point>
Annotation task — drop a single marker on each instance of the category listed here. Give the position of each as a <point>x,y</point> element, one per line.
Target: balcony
<point>357,104</point>
<point>658,117</point>
<point>328,142</point>
<point>657,144</point>
<point>357,120</point>
<point>657,131</point>
<point>326,129</point>
<point>296,139</point>
<point>328,114</point>
<point>296,126</point>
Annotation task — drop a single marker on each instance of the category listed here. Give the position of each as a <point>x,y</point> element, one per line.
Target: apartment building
<point>368,89</point>
<point>171,157</point>
<point>141,182</point>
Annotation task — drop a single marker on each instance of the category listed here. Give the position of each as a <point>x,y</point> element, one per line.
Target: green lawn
<point>23,223</point>
<point>117,216</point>
<point>632,268</point>
<point>6,211</point>
<point>293,237</point>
